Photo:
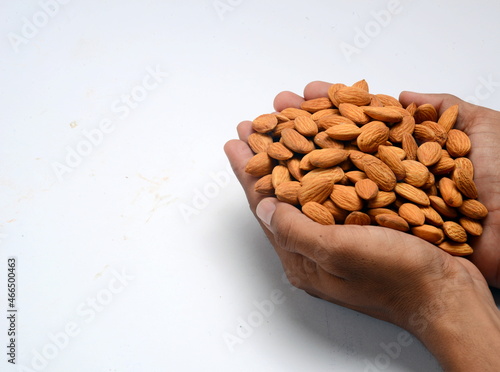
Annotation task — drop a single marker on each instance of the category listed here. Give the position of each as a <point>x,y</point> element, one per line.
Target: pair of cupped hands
<point>384,273</point>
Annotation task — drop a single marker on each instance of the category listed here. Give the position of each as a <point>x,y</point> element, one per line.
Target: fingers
<point>312,90</point>
<point>244,130</point>
<point>316,89</point>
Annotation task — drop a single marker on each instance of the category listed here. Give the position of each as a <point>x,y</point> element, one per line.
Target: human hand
<point>381,272</point>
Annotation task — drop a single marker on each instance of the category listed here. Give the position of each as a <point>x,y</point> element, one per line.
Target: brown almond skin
<point>293,166</point>
<point>354,95</point>
<point>458,143</point>
<point>288,192</point>
<point>425,112</point>
<point>323,140</point>
<point>455,232</point>
<point>279,175</point>
<point>430,233</point>
<point>264,185</point>
<point>449,192</point>
<point>383,199</point>
<point>448,118</point>
<point>379,172</point>
<point>292,113</point>
<point>357,218</point>
<point>372,136</point>
<point>305,126</point>
<point>389,157</point>
<point>339,214</point>
<point>354,113</point>
<point>296,141</point>
<point>412,193</point>
<point>416,174</point>
<point>473,227</point>
<point>386,114</point>
<point>392,221</point>
<point>366,189</point>
<point>318,213</point>
<point>473,209</point>
<point>440,135</point>
<point>332,90</point>
<point>412,214</point>
<point>442,208</point>
<point>432,216</point>
<point>343,132</point>
<point>410,146</point>
<point>346,198</point>
<point>429,153</point>
<point>388,100</point>
<point>259,165</point>
<point>326,158</point>
<point>317,191</point>
<point>456,249</point>
<point>405,126</point>
<point>316,104</point>
<point>259,142</point>
<point>264,123</point>
<point>278,151</point>
<point>464,183</point>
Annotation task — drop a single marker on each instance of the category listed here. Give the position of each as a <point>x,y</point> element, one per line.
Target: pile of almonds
<point>360,158</point>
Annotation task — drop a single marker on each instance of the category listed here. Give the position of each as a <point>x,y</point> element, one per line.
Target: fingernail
<point>265,210</point>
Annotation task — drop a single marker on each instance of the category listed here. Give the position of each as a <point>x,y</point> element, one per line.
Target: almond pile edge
<point>359,158</point>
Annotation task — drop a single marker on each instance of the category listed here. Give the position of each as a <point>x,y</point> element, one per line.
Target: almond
<point>375,102</point>
<point>354,113</point>
<point>472,227</point>
<point>448,118</point>
<point>339,214</point>
<point>357,218</point>
<point>416,174</point>
<point>344,132</point>
<point>355,176</point>
<point>458,143</point>
<point>331,92</point>
<point>335,175</point>
<point>383,199</point>
<point>278,151</point>
<point>296,141</point>
<point>442,208</point>
<point>366,189</point>
<point>282,126</point>
<point>362,84</point>
<point>280,174</point>
<point>429,153</point>
<point>293,166</point>
<point>356,96</point>
<point>393,161</point>
<point>440,135</point>
<point>323,140</point>
<point>259,142</point>
<point>464,183</point>
<point>264,123</point>
<point>318,213</point>
<point>444,166</point>
<point>411,108</point>
<point>306,126</point>
<point>305,163</point>
<point>322,113</point>
<point>425,112</point>
<point>410,146</point>
<point>406,125</point>
<point>473,209</point>
<point>372,136</point>
<point>326,158</point>
<point>466,165</point>
<point>454,232</point>
<point>430,233</point>
<point>317,191</point>
<point>388,100</point>
<point>292,113</point>
<point>423,133</point>
<point>379,172</point>
<point>449,192</point>
<point>316,104</point>
<point>373,212</point>
<point>288,192</point>
<point>411,193</point>
<point>431,216</point>
<point>346,198</point>
<point>264,185</point>
<point>388,114</point>
<point>456,249</point>
<point>412,214</point>
<point>392,221</point>
<point>259,165</point>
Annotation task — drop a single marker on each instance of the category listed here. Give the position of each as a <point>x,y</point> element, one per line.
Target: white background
<point>144,200</point>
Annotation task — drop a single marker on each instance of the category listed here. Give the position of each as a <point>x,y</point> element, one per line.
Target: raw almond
<point>440,135</point>
<point>473,209</point>
<point>372,136</point>
<point>278,151</point>
<point>412,214</point>
<point>259,142</point>
<point>406,125</point>
<point>293,166</point>
<point>317,191</point>
<point>361,84</point>
<point>316,104</point>
<point>306,126</point>
<point>292,113</point>
<point>411,193</point>
<point>260,165</point>
<point>410,146</point>
<point>456,249</point>
<point>282,126</point>
<point>388,100</point>
<point>326,158</point>
<point>331,92</point>
<point>455,232</point>
<point>296,141</point>
<point>393,161</point>
<point>264,185</point>
<point>323,140</point>
<point>430,233</point>
<point>388,114</point>
<point>466,165</point>
<point>357,218</point>
<point>432,216</point>
<point>464,183</point>
<point>280,174</point>
<point>288,192</point>
<point>264,123</point>
<point>449,192</point>
<point>318,213</point>
<point>366,189</point>
<point>356,96</point>
<point>425,112</point>
<point>346,198</point>
<point>392,221</point>
<point>458,143</point>
<point>416,174</point>
<point>322,113</point>
<point>355,176</point>
<point>354,113</point>
<point>339,214</point>
<point>379,172</point>
<point>442,208</point>
<point>472,227</point>
<point>448,118</point>
<point>423,133</point>
<point>444,166</point>
<point>383,199</point>
<point>429,153</point>
<point>411,108</point>
<point>344,132</point>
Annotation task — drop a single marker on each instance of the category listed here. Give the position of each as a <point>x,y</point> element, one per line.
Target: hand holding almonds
<point>360,158</point>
